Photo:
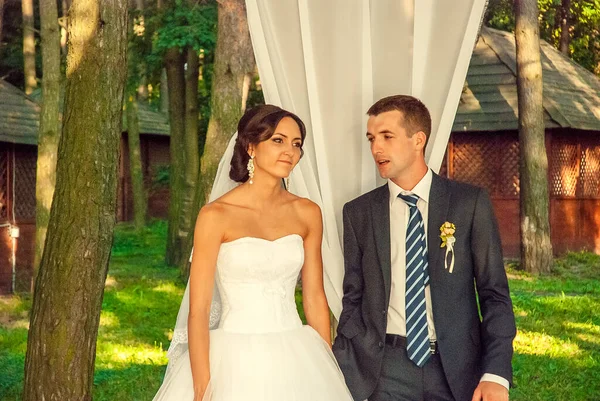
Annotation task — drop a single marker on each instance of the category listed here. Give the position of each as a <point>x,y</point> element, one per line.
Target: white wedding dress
<point>260,350</point>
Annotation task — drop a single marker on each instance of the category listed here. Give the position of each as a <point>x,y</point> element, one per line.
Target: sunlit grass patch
<point>536,343</point>
<point>115,355</point>
<point>557,348</point>
<point>108,320</point>
<point>14,311</point>
<point>587,332</point>
<point>169,288</point>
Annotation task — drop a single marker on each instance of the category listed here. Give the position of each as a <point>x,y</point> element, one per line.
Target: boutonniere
<point>447,231</point>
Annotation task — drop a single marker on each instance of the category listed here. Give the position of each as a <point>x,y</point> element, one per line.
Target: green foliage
<point>585,26</point>
<point>160,176</point>
<point>185,26</point>
<point>181,26</point>
<point>500,15</point>
<point>585,45</point>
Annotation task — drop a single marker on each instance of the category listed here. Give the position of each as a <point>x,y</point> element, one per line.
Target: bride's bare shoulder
<point>224,205</point>
<point>228,197</point>
<point>210,215</point>
<point>306,207</point>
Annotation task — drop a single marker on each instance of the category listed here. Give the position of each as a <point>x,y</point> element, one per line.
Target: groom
<point>419,253</point>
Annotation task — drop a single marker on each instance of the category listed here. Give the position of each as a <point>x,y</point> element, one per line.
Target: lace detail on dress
<point>215,310</point>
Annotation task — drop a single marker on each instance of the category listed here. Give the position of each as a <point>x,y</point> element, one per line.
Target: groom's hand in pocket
<point>490,391</point>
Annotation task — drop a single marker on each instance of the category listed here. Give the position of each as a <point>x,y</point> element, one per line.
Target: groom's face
<point>394,152</point>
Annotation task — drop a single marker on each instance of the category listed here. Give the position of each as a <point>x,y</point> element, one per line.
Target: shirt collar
<point>422,188</point>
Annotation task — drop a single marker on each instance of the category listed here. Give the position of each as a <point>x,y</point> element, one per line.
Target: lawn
<point>140,305</point>
<point>557,349</point>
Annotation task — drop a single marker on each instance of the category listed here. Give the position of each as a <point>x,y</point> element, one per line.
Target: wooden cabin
<point>19,124</point>
<point>484,145</point>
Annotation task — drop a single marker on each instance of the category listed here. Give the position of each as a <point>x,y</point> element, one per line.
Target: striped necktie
<point>417,278</point>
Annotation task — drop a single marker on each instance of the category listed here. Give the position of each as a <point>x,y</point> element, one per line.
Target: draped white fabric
<point>329,60</point>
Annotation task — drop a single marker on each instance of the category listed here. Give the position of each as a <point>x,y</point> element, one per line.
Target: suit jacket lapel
<point>380,211</point>
<point>439,203</point>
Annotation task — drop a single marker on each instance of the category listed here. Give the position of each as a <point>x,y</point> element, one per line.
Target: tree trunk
<point>174,61</point>
<point>164,92</point>
<point>50,123</point>
<point>565,37</point>
<point>142,89</point>
<point>140,199</point>
<point>63,30</point>
<point>192,152</point>
<point>69,287</point>
<point>536,248</point>
<point>1,20</point>
<point>28,46</point>
<point>233,68</point>
<point>175,78</point>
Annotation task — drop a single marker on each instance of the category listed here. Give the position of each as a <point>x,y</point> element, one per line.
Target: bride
<point>250,245</point>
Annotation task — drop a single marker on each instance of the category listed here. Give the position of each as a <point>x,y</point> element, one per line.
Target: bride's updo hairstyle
<point>257,125</point>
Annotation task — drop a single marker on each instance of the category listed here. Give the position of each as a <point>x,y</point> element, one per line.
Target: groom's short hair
<point>416,116</point>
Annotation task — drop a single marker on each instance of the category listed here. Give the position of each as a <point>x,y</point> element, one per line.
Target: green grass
<point>140,305</point>
<point>557,349</point>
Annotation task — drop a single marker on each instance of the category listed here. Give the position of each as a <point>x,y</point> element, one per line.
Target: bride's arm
<point>207,240</point>
<point>313,293</point>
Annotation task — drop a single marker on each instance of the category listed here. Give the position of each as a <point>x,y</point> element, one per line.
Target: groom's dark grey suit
<point>469,345</point>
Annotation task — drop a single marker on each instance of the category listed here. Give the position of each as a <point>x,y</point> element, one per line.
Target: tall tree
<point>50,123</point>
<point>142,89</point>
<point>565,36</point>
<point>181,47</point>
<point>63,29</point>
<point>174,66</point>
<point>191,150</point>
<point>233,69</point>
<point>70,284</point>
<point>174,61</point>
<point>164,92</point>
<point>1,20</point>
<point>536,248</point>
<point>28,46</point>
<point>140,198</point>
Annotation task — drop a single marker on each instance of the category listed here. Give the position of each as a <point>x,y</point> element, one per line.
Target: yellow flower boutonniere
<point>447,231</point>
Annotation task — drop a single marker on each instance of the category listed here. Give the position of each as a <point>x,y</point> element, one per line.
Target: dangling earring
<point>287,183</point>
<point>250,168</point>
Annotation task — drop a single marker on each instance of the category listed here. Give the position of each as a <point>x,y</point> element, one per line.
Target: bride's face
<point>279,154</point>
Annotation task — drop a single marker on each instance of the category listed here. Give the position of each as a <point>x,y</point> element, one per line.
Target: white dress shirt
<point>399,214</point>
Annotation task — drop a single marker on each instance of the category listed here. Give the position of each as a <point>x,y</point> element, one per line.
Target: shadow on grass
<point>133,382</point>
<point>11,378</point>
<point>140,314</point>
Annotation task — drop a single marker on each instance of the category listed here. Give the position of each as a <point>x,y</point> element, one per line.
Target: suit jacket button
<point>383,312</point>
<point>380,344</point>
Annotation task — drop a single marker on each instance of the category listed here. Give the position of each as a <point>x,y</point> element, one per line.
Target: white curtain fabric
<point>329,60</point>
